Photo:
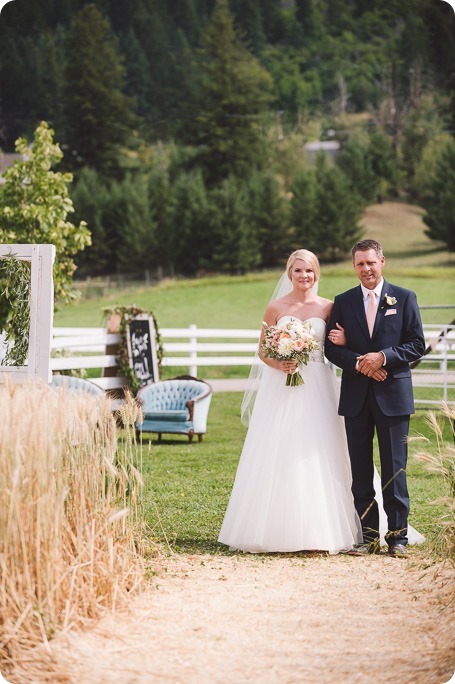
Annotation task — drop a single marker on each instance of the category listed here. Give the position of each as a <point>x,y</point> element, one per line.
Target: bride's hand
<point>288,366</point>
<point>337,336</point>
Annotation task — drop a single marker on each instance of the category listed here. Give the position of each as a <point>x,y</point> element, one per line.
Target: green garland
<point>15,289</point>
<point>127,313</point>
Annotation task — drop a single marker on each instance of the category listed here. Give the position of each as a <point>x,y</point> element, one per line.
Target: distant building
<point>7,159</point>
<point>331,147</point>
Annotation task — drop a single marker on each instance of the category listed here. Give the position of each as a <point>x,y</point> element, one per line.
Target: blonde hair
<point>304,255</point>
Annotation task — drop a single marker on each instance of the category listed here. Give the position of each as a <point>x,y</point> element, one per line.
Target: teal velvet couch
<point>73,384</point>
<point>177,406</point>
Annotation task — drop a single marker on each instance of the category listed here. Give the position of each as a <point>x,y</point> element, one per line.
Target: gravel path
<point>305,618</point>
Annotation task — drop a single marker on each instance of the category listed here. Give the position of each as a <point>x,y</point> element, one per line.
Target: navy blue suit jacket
<point>397,332</point>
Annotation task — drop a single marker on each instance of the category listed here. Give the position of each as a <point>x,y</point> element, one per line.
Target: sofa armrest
<point>201,411</point>
<point>204,394</point>
<point>190,406</point>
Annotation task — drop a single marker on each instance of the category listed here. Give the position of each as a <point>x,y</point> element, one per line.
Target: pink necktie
<point>371,311</point>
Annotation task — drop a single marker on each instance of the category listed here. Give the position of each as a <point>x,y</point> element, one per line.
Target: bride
<point>292,490</point>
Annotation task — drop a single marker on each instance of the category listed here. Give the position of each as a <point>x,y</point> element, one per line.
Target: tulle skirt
<point>292,490</point>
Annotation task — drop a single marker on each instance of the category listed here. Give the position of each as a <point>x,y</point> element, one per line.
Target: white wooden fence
<point>86,348</point>
<point>194,348</point>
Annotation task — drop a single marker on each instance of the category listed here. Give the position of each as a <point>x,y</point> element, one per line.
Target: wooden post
<point>113,326</point>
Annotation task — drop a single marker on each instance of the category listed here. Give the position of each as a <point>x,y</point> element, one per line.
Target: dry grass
<point>69,524</point>
<point>442,462</point>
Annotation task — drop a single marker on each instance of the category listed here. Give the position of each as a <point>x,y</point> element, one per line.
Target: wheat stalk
<point>70,531</point>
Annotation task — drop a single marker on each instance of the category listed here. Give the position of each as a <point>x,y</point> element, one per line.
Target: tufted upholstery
<point>76,385</point>
<point>178,406</point>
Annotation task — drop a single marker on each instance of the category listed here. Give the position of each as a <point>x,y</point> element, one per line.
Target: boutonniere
<point>389,301</point>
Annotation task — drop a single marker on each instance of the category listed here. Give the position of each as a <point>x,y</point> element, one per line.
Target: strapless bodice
<point>319,326</point>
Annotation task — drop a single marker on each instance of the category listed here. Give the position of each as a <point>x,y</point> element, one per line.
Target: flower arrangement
<point>293,340</point>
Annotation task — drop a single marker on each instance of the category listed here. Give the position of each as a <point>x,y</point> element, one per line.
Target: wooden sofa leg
<point>159,437</point>
<point>190,435</point>
<point>199,437</point>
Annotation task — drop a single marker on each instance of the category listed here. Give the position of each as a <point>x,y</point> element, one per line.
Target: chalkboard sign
<point>141,342</point>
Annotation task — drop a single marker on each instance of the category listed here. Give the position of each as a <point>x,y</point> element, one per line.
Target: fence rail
<point>188,348</point>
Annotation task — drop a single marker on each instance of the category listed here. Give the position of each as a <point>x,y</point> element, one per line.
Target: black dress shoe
<point>398,550</point>
<point>364,549</point>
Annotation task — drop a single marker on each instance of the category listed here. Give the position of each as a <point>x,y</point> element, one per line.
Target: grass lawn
<point>187,486</point>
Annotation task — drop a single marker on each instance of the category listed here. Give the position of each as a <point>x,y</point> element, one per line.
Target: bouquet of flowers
<point>293,340</point>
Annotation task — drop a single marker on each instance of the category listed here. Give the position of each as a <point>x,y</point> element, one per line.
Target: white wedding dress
<point>292,490</point>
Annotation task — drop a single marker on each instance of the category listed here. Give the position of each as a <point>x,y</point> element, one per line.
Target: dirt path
<point>303,619</point>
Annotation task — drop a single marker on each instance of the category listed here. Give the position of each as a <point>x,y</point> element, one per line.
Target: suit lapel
<point>386,289</point>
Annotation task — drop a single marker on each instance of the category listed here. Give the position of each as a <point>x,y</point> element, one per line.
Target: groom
<point>383,333</point>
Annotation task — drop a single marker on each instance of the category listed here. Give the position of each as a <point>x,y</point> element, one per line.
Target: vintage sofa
<point>74,384</point>
<point>177,406</point>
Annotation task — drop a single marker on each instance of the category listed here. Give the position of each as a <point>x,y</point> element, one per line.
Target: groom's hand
<point>379,375</point>
<point>371,365</point>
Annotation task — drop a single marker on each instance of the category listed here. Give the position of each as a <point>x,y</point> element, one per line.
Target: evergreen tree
<point>190,16</point>
<point>338,212</point>
<point>50,58</point>
<point>233,92</point>
<point>422,186</point>
<point>236,244</point>
<point>297,88</point>
<point>159,193</point>
<point>154,32</point>
<point>354,160</point>
<point>91,196</point>
<point>139,84</point>
<point>325,212</point>
<point>268,216</point>
<point>98,115</point>
<point>272,20</point>
<point>339,16</point>
<point>137,240</point>
<point>303,210</point>
<point>192,241</point>
<point>421,124</point>
<point>308,13</point>
<point>248,14</point>
<point>440,204</point>
<point>18,84</point>
<point>385,165</point>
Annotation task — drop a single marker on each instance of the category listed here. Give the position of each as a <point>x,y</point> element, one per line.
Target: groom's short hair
<point>365,245</point>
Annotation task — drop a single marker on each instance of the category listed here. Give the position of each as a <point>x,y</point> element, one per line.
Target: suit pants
<point>392,432</point>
